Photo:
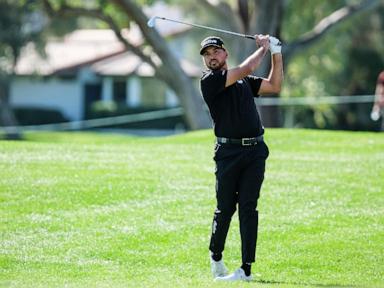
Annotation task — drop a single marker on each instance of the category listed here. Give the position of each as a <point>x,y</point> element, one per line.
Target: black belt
<point>241,141</point>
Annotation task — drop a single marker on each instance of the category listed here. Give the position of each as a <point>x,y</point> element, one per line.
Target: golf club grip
<point>250,37</point>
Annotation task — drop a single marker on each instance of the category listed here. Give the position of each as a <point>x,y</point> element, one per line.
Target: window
<point>119,91</point>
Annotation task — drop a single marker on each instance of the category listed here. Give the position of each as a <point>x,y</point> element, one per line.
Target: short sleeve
<point>212,83</point>
<point>255,83</point>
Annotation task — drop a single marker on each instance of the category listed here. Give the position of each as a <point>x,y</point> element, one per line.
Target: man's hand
<point>263,41</point>
<point>275,45</point>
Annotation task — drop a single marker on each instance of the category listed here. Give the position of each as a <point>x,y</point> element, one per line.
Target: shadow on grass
<point>268,282</point>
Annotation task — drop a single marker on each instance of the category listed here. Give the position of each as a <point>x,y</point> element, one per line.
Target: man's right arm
<point>250,64</point>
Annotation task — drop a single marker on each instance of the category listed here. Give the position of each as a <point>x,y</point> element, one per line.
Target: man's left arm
<point>272,84</point>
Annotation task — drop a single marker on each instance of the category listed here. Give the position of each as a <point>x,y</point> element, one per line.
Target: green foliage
<point>22,22</point>
<point>300,16</point>
<point>104,106</point>
<point>88,210</point>
<point>16,28</point>
<point>37,116</point>
<point>347,57</point>
<point>345,62</point>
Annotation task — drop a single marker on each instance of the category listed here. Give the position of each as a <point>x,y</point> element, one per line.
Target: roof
<point>98,49</point>
<point>128,63</point>
<point>81,46</point>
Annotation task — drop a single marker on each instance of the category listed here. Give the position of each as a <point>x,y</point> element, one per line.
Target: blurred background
<point>96,65</point>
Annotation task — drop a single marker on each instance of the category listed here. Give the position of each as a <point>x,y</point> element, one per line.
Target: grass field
<point>88,210</point>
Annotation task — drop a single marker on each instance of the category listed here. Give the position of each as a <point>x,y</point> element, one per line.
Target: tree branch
<point>66,10</point>
<point>221,8</point>
<point>170,70</point>
<point>325,25</point>
<point>153,38</point>
<point>223,11</point>
<point>243,7</point>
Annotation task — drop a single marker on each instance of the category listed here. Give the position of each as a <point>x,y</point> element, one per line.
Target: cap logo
<point>211,41</point>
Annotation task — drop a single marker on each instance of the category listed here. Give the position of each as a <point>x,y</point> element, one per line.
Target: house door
<point>92,94</point>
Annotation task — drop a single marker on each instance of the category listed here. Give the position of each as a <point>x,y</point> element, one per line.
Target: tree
<point>14,34</point>
<point>21,22</point>
<point>169,70</point>
<point>269,17</point>
<point>264,16</point>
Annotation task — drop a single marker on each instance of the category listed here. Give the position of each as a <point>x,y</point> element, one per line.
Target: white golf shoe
<point>238,275</point>
<point>218,268</point>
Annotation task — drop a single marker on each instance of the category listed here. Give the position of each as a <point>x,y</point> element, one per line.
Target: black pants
<point>239,175</point>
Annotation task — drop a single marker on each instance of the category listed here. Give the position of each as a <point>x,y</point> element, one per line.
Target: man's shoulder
<point>206,74</point>
<point>212,73</point>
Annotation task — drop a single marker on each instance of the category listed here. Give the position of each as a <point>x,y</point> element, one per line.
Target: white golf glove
<point>274,45</point>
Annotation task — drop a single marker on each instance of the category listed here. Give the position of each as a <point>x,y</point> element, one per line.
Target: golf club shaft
<point>209,28</point>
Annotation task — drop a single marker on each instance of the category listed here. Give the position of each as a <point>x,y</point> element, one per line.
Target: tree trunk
<point>266,20</point>
<point>196,114</point>
<point>170,70</point>
<point>7,118</point>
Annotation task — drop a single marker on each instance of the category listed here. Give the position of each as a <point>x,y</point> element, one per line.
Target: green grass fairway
<point>89,210</point>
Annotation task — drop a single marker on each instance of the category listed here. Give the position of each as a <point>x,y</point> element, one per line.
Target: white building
<point>89,66</point>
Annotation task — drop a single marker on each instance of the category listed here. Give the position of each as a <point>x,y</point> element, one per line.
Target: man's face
<point>215,58</point>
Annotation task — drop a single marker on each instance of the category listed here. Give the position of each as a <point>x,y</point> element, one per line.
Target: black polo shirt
<point>232,109</point>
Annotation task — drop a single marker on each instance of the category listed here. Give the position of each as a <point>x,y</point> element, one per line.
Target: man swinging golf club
<point>240,151</point>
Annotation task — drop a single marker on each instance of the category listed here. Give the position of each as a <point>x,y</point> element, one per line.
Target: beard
<point>215,64</point>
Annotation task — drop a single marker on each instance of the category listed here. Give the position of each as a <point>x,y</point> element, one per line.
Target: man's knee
<point>248,209</point>
<point>225,212</point>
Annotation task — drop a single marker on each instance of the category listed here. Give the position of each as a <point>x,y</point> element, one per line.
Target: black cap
<point>211,41</point>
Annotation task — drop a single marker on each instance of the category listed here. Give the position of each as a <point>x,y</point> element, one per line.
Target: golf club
<point>152,22</point>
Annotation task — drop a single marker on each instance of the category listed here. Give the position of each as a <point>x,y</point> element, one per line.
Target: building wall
<point>68,96</point>
<point>65,96</point>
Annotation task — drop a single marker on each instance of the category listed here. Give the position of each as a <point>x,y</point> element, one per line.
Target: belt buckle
<point>243,142</point>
